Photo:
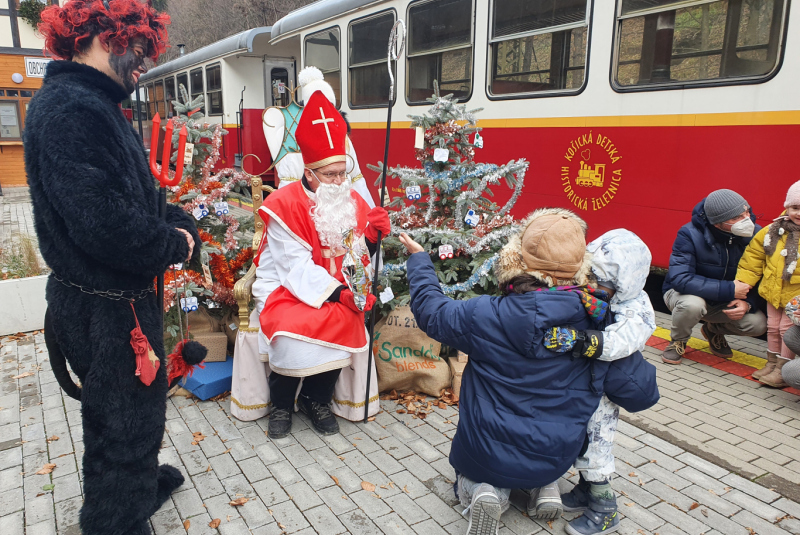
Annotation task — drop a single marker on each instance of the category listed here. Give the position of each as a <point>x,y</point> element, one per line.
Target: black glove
<point>588,344</point>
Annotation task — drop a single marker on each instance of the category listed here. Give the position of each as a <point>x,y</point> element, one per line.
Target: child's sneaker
<point>545,502</point>
<point>599,517</point>
<point>485,510</point>
<point>578,498</point>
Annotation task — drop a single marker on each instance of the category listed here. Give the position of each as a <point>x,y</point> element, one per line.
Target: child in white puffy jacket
<point>620,264</point>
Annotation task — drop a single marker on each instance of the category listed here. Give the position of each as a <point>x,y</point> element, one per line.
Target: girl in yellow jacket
<point>772,258</point>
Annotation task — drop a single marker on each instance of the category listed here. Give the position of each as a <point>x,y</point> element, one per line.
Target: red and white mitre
<point>321,133</point>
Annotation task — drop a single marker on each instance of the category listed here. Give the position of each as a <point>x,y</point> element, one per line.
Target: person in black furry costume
<point>96,215</point>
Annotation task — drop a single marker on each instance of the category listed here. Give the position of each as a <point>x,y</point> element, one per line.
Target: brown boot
<point>673,354</point>
<point>772,358</point>
<point>775,378</point>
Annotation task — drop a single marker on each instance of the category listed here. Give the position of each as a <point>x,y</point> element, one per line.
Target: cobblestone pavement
<point>310,484</point>
<point>16,219</point>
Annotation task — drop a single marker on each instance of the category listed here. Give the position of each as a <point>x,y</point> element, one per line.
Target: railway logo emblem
<point>592,175</point>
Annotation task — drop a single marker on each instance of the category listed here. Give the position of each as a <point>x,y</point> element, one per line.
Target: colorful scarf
<point>594,300</point>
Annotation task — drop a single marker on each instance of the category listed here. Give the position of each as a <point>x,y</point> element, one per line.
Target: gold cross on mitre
<point>324,122</point>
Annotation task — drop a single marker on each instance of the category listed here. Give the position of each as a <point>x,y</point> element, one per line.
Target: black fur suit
<point>96,214</point>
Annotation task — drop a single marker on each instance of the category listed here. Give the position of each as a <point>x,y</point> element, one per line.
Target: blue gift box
<point>212,380</point>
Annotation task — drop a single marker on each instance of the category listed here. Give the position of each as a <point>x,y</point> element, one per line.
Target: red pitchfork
<point>163,176</point>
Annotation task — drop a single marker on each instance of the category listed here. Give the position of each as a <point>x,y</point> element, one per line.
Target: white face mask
<point>744,228</point>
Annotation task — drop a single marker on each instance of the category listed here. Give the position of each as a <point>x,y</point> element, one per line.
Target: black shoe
<point>321,416</point>
<point>280,423</point>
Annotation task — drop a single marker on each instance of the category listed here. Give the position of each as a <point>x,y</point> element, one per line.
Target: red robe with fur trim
<point>330,324</point>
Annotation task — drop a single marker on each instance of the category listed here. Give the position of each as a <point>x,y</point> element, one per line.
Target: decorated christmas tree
<point>447,207</point>
<point>204,192</point>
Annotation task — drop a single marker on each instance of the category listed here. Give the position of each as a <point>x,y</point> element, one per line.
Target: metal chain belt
<point>114,295</point>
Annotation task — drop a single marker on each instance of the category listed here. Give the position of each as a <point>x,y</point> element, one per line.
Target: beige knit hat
<point>550,246</point>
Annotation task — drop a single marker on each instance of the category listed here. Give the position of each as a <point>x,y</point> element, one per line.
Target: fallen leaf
<point>46,469</point>
<point>371,419</point>
<point>751,531</point>
<point>401,411</point>
<point>405,489</point>
<point>40,494</point>
<point>694,506</point>
<point>356,438</point>
<point>632,474</point>
<point>441,405</point>
<point>629,504</point>
<point>641,532</point>
<point>186,524</point>
<point>550,523</point>
<point>448,422</point>
<point>335,479</point>
<point>198,437</point>
<point>214,524</point>
<point>422,415</point>
<point>20,376</point>
<point>281,526</point>
<point>52,439</point>
<point>369,487</point>
<point>226,451</point>
<point>653,461</point>
<point>641,483</point>
<point>238,501</point>
<point>51,486</point>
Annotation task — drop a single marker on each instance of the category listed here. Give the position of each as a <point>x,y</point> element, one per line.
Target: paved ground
<point>16,218</point>
<point>307,484</point>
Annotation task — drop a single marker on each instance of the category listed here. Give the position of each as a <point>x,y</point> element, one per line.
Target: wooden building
<point>22,65</point>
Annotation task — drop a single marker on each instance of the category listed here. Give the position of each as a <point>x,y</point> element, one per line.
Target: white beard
<point>334,213</point>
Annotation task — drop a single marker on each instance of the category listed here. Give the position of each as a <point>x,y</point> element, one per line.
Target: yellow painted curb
<point>701,345</point>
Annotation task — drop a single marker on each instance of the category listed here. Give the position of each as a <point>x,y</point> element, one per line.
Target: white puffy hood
<point>622,260</point>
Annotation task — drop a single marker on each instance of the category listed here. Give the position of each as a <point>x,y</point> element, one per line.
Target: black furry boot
<point>169,479</point>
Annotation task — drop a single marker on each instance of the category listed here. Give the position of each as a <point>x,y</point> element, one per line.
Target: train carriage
<point>239,76</point>
<point>630,111</point>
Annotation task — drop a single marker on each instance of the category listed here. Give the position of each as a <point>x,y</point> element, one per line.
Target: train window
<point>439,48</point>
<point>369,79</point>
<point>280,87</point>
<point>214,83</point>
<point>322,51</point>
<point>151,101</point>
<point>196,81</point>
<point>538,46</point>
<point>169,95</point>
<point>669,42</point>
<point>182,80</point>
<point>159,92</point>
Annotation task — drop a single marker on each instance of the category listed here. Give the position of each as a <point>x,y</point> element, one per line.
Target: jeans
<point>319,388</point>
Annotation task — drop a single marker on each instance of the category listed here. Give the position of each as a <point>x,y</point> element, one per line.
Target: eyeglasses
<point>334,176</point>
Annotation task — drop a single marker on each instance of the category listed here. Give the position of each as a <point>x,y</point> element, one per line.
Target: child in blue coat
<point>523,408</point>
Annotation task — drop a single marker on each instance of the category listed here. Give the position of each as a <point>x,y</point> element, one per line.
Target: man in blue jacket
<point>700,282</point>
<point>524,409</point>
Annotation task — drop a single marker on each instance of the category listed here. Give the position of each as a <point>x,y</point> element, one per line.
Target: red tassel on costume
<point>186,355</point>
<point>147,362</point>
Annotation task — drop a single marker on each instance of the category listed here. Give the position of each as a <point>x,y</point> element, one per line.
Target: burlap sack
<point>405,358</point>
<point>200,321</point>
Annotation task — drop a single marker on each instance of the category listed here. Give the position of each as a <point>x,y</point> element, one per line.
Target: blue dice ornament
<point>200,212</point>
<point>413,193</point>
<point>472,218</point>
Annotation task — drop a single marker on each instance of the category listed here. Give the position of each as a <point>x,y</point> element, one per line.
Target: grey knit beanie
<point>723,204</point>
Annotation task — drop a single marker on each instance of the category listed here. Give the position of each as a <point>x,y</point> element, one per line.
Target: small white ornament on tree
<point>478,141</point>
<point>221,208</point>
<point>419,138</point>
<point>200,212</point>
<point>472,218</point>
<point>445,251</point>
<point>386,295</point>
<point>413,192</point>
<point>189,304</point>
<point>440,155</point>
<point>188,154</point>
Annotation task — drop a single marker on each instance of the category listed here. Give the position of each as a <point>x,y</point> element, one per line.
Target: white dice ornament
<point>189,304</point>
<point>413,193</point>
<point>221,208</point>
<point>445,251</point>
<point>200,212</point>
<point>441,155</point>
<point>472,218</point>
<point>386,295</point>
